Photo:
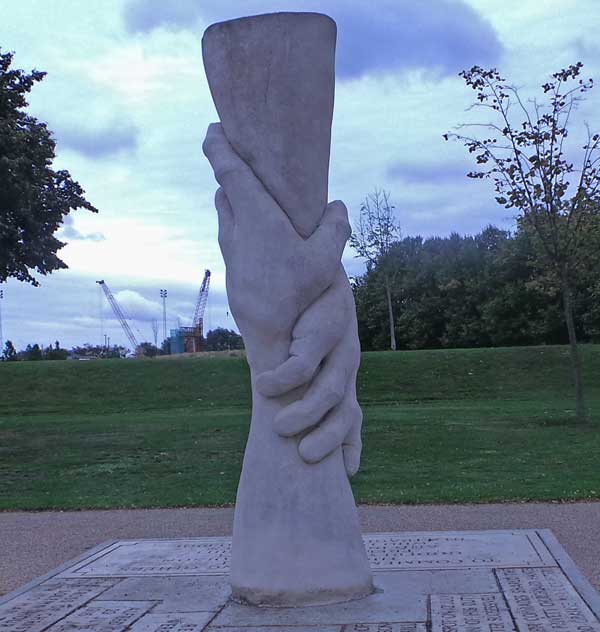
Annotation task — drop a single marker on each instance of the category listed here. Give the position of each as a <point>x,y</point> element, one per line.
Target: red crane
<point>192,336</point>
<point>198,320</point>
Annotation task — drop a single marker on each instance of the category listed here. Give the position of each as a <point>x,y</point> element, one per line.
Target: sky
<point>128,102</point>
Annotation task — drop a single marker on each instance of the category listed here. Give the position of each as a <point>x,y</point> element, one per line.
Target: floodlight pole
<point>163,295</point>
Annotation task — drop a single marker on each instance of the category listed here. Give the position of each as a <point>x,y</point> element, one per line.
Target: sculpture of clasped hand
<point>296,534</point>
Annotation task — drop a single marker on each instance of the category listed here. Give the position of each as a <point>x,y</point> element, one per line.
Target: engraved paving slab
<point>386,627</point>
<point>202,556</point>
<point>475,581</point>
<point>494,549</point>
<point>475,613</point>
<point>174,594</point>
<point>176,622</point>
<point>543,599</point>
<point>104,616</point>
<point>48,603</point>
<point>387,552</point>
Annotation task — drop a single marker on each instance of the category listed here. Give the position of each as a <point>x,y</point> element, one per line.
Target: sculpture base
<point>250,597</point>
<point>471,581</point>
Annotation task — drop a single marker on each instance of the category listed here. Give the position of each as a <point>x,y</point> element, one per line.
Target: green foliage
<point>148,350</point>
<point>9,353</point>
<point>99,351</point>
<point>377,228</point>
<point>34,198</point>
<point>558,204</point>
<point>32,352</point>
<point>55,353</point>
<point>470,425</point>
<point>532,169</point>
<point>221,339</point>
<point>463,291</point>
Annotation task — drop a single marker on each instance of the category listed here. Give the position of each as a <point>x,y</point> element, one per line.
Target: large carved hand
<point>273,274</point>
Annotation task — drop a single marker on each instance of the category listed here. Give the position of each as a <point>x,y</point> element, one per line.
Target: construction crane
<point>121,317</point>
<point>189,339</point>
<point>198,320</point>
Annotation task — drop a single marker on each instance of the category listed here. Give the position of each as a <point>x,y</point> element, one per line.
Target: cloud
<point>428,173</point>
<point>136,307</point>
<point>68,231</point>
<point>146,15</point>
<point>442,36</point>
<point>440,210</point>
<point>98,142</point>
<point>587,51</point>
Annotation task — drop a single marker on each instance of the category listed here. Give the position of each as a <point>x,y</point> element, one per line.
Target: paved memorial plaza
<point>471,581</point>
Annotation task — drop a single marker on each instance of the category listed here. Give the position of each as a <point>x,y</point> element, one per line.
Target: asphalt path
<point>34,543</point>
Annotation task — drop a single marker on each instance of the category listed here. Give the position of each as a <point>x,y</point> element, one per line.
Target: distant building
<point>186,340</point>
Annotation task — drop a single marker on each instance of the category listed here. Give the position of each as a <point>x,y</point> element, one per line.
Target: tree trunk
<point>388,294</point>
<point>580,407</point>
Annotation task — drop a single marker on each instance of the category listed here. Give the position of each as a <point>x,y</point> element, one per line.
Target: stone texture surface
<point>393,602</point>
<point>476,613</point>
<point>386,627</point>
<point>296,535</point>
<point>173,594</point>
<point>176,622</point>
<point>278,628</point>
<point>513,595</point>
<point>543,598</point>
<point>385,552</point>
<point>104,616</point>
<point>272,81</point>
<point>49,603</point>
<point>198,556</point>
<point>455,550</point>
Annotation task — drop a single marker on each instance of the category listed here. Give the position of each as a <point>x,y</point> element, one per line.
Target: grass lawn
<point>470,425</point>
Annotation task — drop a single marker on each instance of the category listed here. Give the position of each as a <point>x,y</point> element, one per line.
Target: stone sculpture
<point>296,533</point>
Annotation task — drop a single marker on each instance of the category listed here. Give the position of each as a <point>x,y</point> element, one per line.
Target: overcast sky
<point>128,101</point>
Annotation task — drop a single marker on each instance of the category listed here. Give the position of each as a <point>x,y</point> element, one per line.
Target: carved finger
<point>352,447</point>
<point>330,433</point>
<point>226,224</point>
<point>333,232</point>
<point>250,201</point>
<point>316,333</point>
<point>325,392</point>
<point>295,371</point>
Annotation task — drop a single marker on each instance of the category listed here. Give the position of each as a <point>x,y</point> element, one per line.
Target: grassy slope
<point>459,425</point>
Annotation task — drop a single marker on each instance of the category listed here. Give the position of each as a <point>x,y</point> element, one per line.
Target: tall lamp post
<point>163,295</point>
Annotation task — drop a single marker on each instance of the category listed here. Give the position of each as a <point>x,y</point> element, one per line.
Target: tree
<point>99,351</point>
<point>165,346</point>
<point>471,291</point>
<point>55,353</point>
<point>34,198</point>
<point>32,352</point>
<point>148,350</point>
<point>376,232</point>
<point>9,354</point>
<point>221,339</point>
<point>558,205</point>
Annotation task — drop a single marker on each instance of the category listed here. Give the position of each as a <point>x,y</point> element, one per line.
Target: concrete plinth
<point>470,581</point>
